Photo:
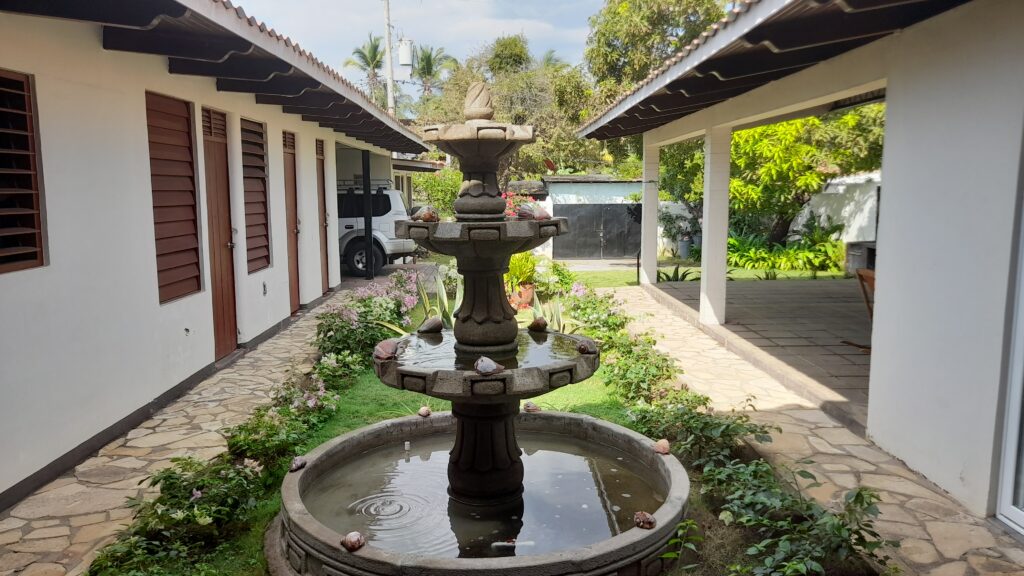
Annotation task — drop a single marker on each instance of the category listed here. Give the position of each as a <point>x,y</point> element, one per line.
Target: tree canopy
<point>369,59</point>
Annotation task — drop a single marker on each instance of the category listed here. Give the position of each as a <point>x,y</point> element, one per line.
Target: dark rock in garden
<point>298,463</point>
<point>424,411</point>
<point>426,214</point>
<point>386,349</point>
<point>662,447</point>
<point>644,520</point>
<point>431,325</point>
<point>539,324</point>
<point>587,346</point>
<point>486,367</point>
<point>353,541</point>
<point>531,407</point>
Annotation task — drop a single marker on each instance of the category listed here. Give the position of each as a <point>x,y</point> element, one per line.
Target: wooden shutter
<point>172,169</point>
<point>254,172</point>
<point>215,124</point>
<point>289,141</point>
<point>320,149</point>
<point>21,218</point>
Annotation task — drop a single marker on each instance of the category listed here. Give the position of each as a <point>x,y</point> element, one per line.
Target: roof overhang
<point>213,38</point>
<point>760,41</point>
<point>410,165</point>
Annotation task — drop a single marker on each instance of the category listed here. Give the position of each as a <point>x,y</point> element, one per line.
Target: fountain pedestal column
<point>485,322</point>
<point>485,465</point>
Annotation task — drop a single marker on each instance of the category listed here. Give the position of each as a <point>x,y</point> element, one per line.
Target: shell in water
<point>386,349</point>
<point>424,411</point>
<point>644,520</point>
<point>353,541</point>
<point>587,346</point>
<point>486,367</point>
<point>426,214</point>
<point>298,463</point>
<point>431,325</point>
<point>531,407</point>
<point>662,447</point>
<point>526,212</point>
<point>539,213</point>
<point>539,324</point>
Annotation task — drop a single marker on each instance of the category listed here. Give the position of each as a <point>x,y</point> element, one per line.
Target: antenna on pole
<point>389,70</point>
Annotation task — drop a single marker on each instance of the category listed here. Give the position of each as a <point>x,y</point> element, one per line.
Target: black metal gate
<point>598,231</point>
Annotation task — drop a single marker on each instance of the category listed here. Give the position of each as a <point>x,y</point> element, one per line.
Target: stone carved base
<point>485,466</point>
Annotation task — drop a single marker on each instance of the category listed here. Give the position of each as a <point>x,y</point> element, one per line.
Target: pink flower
<point>196,495</point>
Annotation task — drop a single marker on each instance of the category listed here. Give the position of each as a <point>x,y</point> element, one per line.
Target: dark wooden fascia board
<point>235,68</point>
<point>276,86</point>
<point>191,46</point>
<point>141,15</point>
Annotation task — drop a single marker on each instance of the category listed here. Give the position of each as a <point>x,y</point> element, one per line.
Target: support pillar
<point>649,215</point>
<point>715,225</point>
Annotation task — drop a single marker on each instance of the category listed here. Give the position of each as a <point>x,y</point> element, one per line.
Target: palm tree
<point>428,66</point>
<point>369,59</point>
<point>552,60</point>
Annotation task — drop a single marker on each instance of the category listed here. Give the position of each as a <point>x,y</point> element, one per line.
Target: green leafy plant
<point>522,269</point>
<point>685,541</point>
<point>554,314</point>
<point>678,275</point>
<point>339,370</point>
<point>635,368</point>
<point>266,437</point>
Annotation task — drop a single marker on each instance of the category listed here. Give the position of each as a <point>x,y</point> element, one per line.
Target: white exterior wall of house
<point>85,340</point>
<point>851,201</point>
<point>951,162</point>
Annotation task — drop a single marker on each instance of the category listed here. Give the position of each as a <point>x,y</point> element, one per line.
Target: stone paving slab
<point>58,530</point>
<point>938,536</point>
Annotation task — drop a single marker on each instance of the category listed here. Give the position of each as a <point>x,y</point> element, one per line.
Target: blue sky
<point>332,28</point>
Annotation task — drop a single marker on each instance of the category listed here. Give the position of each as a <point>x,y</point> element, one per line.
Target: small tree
<point>439,188</point>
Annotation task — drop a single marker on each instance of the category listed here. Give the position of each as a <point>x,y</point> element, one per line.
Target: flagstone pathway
<point>938,537</point>
<point>57,530</point>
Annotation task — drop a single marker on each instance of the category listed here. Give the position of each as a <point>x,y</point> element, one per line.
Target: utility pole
<point>388,66</point>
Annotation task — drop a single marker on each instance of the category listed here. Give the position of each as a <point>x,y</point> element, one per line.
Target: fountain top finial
<point>478,102</point>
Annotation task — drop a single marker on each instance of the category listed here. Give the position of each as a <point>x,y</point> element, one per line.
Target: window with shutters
<point>21,203</point>
<point>215,124</point>
<point>254,172</point>
<point>172,171</point>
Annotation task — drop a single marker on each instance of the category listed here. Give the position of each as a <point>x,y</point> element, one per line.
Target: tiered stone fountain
<point>566,506</point>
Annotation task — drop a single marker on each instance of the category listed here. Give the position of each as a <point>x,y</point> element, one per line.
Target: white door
<point>1011,486</point>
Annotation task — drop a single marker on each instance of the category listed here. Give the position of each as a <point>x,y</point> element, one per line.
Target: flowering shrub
<point>339,370</point>
<point>356,324</point>
<point>266,437</point>
<point>513,201</point>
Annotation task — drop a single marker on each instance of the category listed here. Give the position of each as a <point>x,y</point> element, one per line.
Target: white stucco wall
<point>851,201</point>
<point>955,123</point>
<point>85,340</point>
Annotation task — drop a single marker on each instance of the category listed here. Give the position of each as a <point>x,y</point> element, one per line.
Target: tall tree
<point>428,66</point>
<point>369,59</point>
<point>629,38</point>
<point>551,59</point>
<point>509,55</point>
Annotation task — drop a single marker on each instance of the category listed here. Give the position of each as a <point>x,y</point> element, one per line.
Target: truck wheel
<point>355,259</point>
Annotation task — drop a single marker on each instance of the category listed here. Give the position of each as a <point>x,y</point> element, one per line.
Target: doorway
<point>321,195</point>
<point>291,215</point>
<point>222,245</point>
<point>599,231</point>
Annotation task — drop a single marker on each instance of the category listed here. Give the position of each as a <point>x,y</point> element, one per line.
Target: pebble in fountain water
<point>298,463</point>
<point>424,411</point>
<point>386,349</point>
<point>662,447</point>
<point>531,408</point>
<point>587,346</point>
<point>432,325</point>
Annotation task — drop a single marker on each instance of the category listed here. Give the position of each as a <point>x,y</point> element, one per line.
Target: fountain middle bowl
<point>299,543</point>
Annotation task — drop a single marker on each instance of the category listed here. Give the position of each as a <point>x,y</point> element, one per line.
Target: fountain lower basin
<point>588,536</point>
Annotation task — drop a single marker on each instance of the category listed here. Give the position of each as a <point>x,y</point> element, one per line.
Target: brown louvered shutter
<point>320,149</point>
<point>215,124</point>
<point>254,172</point>
<point>21,219</point>
<point>172,169</point>
<point>289,140</point>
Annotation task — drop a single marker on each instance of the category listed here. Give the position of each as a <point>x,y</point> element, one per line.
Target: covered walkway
<point>799,331</point>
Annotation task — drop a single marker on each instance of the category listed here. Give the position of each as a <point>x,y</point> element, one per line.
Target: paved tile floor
<point>794,330</point>
<point>938,536</point>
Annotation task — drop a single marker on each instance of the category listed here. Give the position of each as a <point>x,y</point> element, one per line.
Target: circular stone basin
<point>500,238</point>
<point>584,479</point>
<point>429,364</point>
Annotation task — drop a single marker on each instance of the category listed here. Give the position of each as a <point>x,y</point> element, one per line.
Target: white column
<point>715,226</point>
<point>649,216</point>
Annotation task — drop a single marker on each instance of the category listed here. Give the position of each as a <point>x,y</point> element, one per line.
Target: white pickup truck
<point>388,208</point>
